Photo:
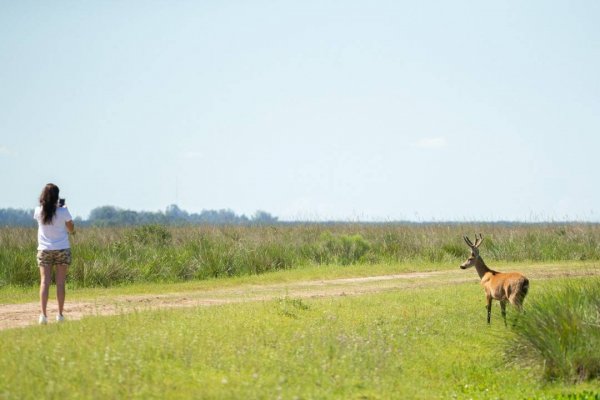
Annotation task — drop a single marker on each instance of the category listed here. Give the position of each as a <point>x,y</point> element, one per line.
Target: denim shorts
<point>48,258</point>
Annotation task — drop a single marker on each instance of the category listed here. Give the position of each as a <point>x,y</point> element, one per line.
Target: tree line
<point>173,215</point>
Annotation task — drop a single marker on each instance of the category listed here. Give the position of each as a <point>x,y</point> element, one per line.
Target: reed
<point>115,256</point>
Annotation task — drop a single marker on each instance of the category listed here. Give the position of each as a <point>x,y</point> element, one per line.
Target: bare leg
<point>61,277</point>
<point>45,279</point>
<point>503,307</point>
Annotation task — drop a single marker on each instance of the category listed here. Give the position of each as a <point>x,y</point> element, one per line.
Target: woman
<point>54,250</point>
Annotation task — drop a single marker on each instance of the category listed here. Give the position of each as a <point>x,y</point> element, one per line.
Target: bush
<point>344,249</point>
<point>156,235</point>
<point>561,328</point>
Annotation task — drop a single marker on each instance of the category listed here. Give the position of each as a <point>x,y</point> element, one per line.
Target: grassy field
<point>418,342</point>
<point>104,257</point>
<point>422,343</point>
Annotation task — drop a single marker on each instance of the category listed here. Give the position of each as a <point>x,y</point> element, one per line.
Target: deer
<point>502,286</point>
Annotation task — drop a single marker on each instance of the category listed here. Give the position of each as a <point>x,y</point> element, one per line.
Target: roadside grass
<point>421,343</point>
<point>11,294</point>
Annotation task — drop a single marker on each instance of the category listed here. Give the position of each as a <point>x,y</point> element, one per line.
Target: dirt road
<point>22,315</point>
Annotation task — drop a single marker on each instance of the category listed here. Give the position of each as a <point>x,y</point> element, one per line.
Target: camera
<point>61,202</point>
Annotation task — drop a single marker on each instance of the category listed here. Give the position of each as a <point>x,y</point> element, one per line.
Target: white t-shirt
<point>53,236</point>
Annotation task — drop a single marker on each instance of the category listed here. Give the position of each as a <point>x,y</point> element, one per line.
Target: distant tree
<point>14,217</point>
<point>263,217</point>
<point>104,216</point>
<point>128,217</point>
<point>173,215</point>
<point>151,218</point>
<point>218,217</point>
<point>104,212</point>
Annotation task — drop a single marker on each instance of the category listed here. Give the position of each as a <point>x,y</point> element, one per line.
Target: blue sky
<point>351,110</point>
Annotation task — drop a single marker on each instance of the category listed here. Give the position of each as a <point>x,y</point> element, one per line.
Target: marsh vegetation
<point>419,341</point>
<point>105,257</point>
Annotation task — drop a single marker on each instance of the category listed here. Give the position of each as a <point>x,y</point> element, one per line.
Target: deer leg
<point>489,308</point>
<point>503,307</point>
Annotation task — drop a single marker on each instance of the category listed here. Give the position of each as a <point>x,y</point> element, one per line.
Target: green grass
<point>562,330</point>
<point>412,343</point>
<point>105,257</point>
<point>10,294</point>
<point>417,343</point>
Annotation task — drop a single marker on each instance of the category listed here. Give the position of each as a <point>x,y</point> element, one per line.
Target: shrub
<point>455,250</point>
<point>156,235</point>
<point>344,249</point>
<point>561,328</point>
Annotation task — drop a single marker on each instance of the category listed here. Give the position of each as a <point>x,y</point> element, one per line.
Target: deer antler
<point>478,240</point>
<point>468,241</point>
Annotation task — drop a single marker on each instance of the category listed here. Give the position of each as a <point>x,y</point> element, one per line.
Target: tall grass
<point>562,329</point>
<point>114,256</point>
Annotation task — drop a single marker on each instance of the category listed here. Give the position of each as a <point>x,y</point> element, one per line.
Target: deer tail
<point>523,290</point>
<point>525,287</point>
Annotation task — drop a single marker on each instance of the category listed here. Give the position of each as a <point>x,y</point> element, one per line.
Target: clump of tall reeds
<point>156,253</point>
<point>561,329</point>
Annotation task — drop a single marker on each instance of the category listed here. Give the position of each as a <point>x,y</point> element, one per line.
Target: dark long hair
<point>48,200</point>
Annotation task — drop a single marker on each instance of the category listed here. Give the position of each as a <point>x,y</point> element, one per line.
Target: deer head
<point>470,262</point>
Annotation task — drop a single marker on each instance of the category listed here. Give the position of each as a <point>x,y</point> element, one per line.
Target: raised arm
<point>70,227</point>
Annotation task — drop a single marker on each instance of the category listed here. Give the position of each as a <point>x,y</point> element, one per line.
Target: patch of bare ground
<point>22,315</point>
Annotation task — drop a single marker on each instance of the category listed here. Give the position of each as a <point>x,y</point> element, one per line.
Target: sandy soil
<point>22,315</point>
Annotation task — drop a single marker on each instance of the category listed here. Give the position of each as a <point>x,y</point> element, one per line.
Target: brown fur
<point>505,287</point>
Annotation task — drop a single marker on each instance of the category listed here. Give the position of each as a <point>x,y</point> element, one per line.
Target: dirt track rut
<point>22,315</point>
